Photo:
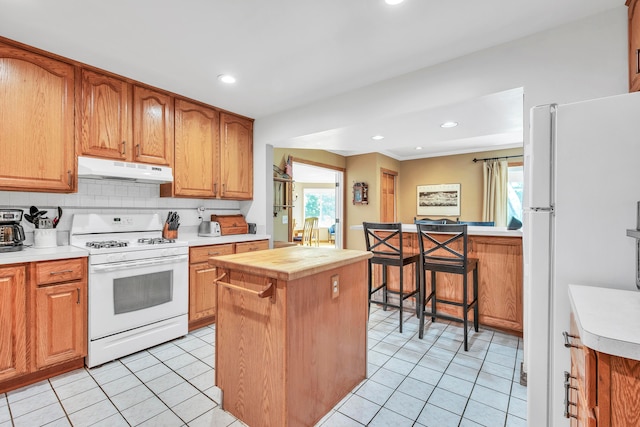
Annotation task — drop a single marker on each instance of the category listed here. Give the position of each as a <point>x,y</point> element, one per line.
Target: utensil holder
<point>169,234</point>
<point>45,238</point>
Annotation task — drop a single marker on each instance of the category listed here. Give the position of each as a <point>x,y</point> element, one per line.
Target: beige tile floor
<point>411,382</point>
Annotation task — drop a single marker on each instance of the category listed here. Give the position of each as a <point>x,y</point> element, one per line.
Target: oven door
<point>129,294</point>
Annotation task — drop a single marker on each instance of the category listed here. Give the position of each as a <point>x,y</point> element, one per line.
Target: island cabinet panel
<point>289,348</point>
<point>250,334</point>
<point>196,151</point>
<point>499,281</point>
<point>37,97</point>
<point>13,318</point>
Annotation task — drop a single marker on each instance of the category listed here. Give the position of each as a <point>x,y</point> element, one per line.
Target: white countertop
<point>607,319</point>
<point>194,240</point>
<point>31,254</point>
<point>471,230</point>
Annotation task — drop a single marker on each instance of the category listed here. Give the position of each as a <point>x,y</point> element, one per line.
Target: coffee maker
<point>11,232</point>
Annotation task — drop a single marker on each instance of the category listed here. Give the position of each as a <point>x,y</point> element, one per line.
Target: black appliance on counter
<point>11,232</point>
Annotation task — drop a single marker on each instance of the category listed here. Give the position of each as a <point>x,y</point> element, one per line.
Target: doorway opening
<point>317,192</point>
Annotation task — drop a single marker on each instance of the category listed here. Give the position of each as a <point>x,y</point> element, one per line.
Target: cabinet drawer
<point>203,253</point>
<point>59,271</point>
<point>258,245</point>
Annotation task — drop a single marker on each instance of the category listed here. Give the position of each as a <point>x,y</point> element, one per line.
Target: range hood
<point>89,167</point>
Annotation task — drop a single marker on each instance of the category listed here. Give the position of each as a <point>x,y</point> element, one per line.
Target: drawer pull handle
<point>124,148</point>
<point>568,343</point>
<point>567,402</point>
<point>268,291</point>
<point>214,253</point>
<point>55,273</point>
<point>78,302</point>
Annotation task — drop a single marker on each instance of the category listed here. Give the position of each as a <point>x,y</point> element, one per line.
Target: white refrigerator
<point>582,185</point>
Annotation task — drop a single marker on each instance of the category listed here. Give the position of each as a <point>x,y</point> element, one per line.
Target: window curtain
<point>494,205</point>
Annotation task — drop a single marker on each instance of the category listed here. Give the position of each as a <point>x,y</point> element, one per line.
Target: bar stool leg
<point>465,313</point>
<point>475,295</point>
<point>433,298</point>
<point>384,287</point>
<point>370,274</point>
<point>422,302</point>
<point>417,297</point>
<point>401,294</point>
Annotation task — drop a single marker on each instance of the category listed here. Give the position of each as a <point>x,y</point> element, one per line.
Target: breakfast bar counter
<point>291,333</point>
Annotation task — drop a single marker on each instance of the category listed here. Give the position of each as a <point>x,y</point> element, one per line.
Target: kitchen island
<point>291,333</point>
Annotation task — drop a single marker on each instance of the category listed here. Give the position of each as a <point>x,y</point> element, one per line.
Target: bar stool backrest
<point>443,246</point>
<point>382,244</point>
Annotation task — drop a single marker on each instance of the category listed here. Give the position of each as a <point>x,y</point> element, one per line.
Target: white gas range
<point>138,283</point>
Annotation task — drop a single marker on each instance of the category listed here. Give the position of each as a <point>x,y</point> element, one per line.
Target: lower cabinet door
<point>13,318</point>
<point>60,323</point>
<point>202,291</point>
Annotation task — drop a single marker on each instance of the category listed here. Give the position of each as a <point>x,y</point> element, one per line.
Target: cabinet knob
<point>137,150</point>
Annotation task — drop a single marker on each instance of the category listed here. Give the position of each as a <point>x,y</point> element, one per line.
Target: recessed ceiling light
<point>393,2</point>
<point>226,78</point>
<point>418,148</point>
<point>449,124</point>
<point>377,137</point>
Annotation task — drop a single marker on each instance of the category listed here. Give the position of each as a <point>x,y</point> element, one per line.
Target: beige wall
<point>364,168</point>
<point>315,156</point>
<point>458,169</point>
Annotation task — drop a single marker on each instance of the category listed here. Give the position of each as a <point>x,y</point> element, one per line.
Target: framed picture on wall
<point>439,199</point>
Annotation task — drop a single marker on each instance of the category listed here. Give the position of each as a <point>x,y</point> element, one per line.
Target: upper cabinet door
<point>236,157</point>
<point>196,141</point>
<point>36,122</point>
<point>152,127</point>
<point>105,115</point>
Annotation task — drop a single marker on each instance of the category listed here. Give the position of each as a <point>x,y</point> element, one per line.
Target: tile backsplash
<point>113,196</point>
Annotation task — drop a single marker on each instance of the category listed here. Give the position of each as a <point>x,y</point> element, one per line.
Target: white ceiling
<point>290,53</point>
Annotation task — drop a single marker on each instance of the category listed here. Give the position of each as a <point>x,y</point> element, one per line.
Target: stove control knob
<point>116,257</point>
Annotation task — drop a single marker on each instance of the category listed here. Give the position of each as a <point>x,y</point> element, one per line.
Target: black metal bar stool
<point>443,248</point>
<point>381,239</point>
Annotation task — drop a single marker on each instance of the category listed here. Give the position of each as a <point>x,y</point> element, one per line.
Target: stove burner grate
<point>156,241</point>
<point>107,244</point>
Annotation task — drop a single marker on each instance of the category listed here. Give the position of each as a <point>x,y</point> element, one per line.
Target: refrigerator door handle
<point>549,209</point>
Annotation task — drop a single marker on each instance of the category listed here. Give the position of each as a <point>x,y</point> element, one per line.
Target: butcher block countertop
<point>291,263</point>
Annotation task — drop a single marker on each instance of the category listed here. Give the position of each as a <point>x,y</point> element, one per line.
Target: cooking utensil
<point>56,220</point>
<point>33,210</point>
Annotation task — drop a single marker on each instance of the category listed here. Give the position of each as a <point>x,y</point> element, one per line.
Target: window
<point>320,202</point>
<point>515,180</point>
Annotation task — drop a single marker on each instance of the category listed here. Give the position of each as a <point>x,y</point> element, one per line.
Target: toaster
<point>209,229</point>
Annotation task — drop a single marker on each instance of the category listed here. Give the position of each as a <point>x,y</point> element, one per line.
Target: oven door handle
<point>138,263</point>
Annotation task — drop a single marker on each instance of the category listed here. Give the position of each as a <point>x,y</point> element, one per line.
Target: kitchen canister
<point>45,238</point>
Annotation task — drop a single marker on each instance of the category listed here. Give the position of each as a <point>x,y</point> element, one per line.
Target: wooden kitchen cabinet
<point>152,126</point>
<point>256,245</point>
<point>13,318</point>
<point>125,122</point>
<point>499,281</point>
<point>105,116</point>
<point>195,152</point>
<point>236,157</point>
<point>603,389</point>
<point>45,305</point>
<point>60,311</point>
<point>36,122</point>
<point>634,45</point>
<point>202,289</point>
